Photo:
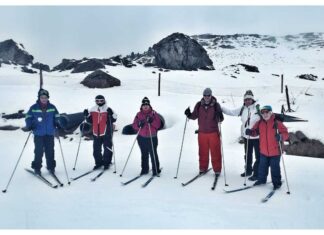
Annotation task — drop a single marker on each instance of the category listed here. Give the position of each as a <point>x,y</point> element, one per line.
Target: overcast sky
<point>51,33</point>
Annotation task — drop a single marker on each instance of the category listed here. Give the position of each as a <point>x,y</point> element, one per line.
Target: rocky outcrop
<point>27,70</point>
<point>100,79</point>
<point>44,67</point>
<point>10,51</point>
<point>180,52</point>
<point>88,65</point>
<point>310,77</point>
<point>66,64</point>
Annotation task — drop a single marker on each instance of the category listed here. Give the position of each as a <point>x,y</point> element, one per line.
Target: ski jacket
<point>143,116</point>
<point>249,116</point>
<point>209,115</point>
<point>42,121</point>
<point>101,121</point>
<point>267,130</point>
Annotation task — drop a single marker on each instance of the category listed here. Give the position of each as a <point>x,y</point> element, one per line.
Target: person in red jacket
<point>102,118</point>
<point>209,114</point>
<point>271,132</point>
<point>147,122</point>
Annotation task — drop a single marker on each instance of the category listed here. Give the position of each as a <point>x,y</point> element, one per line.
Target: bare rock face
<point>10,51</point>
<point>88,65</point>
<point>180,52</point>
<point>100,79</point>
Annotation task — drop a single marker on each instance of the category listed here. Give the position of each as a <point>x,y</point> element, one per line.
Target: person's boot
<point>248,173</point>
<point>253,178</point>
<point>37,171</point>
<point>144,172</point>
<point>97,167</point>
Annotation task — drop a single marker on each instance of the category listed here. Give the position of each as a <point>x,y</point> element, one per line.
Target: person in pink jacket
<point>147,122</point>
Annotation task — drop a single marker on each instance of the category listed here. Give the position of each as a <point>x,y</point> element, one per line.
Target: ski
<point>215,182</point>
<point>238,189</point>
<point>56,179</point>
<point>131,180</point>
<point>148,181</point>
<point>97,176</point>
<point>151,178</point>
<point>196,177</point>
<point>266,198</point>
<point>42,178</point>
<point>84,174</point>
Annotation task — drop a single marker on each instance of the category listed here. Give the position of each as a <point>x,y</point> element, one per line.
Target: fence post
<point>287,97</point>
<point>159,86</point>
<point>40,78</point>
<point>282,79</point>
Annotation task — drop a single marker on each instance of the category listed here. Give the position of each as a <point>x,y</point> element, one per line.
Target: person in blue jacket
<point>43,119</point>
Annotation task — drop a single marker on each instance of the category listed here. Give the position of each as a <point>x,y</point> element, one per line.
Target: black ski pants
<point>146,151</point>
<point>44,144</point>
<point>105,142</point>
<point>252,144</point>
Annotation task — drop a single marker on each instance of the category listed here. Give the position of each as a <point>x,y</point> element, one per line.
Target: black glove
<point>85,113</point>
<point>248,132</point>
<point>149,119</point>
<point>278,137</point>
<point>109,111</point>
<point>26,129</point>
<point>141,123</point>
<point>187,112</point>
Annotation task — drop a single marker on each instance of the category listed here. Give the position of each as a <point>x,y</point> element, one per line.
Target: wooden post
<point>282,79</point>
<point>287,97</point>
<point>40,78</point>
<point>159,86</point>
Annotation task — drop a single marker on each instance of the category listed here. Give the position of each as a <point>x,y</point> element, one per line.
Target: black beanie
<point>100,97</point>
<point>145,100</point>
<point>43,92</point>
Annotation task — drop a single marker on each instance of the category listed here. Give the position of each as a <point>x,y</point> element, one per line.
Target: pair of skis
<point>263,200</point>
<point>200,175</point>
<point>46,181</point>
<point>139,176</point>
<point>89,172</point>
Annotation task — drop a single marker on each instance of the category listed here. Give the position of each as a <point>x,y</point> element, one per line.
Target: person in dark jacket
<point>102,118</point>
<point>43,119</point>
<point>271,132</point>
<point>147,122</point>
<point>209,114</point>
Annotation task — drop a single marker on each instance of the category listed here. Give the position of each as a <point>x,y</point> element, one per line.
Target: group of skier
<point>262,133</point>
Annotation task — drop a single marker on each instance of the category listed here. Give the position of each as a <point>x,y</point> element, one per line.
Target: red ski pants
<point>209,142</point>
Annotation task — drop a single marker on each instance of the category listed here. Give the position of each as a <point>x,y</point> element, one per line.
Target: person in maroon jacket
<point>271,132</point>
<point>147,122</point>
<point>209,114</point>
<point>102,118</point>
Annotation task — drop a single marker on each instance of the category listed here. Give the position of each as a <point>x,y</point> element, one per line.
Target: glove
<point>149,119</point>
<point>109,111</point>
<point>85,113</point>
<point>248,131</point>
<point>278,137</point>
<point>187,112</point>
<point>26,129</point>
<point>141,123</point>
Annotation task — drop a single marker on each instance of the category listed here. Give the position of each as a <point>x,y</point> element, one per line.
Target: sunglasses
<point>207,95</point>
<point>100,101</point>
<point>264,111</point>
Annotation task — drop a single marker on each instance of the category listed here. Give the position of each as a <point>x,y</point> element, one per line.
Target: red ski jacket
<point>100,120</point>
<point>269,145</point>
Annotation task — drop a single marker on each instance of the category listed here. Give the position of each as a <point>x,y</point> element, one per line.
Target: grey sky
<point>51,33</point>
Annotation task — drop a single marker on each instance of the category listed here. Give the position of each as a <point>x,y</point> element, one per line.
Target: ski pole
<point>58,137</point>
<point>283,163</point>
<point>112,145</point>
<point>76,158</point>
<point>222,151</point>
<point>184,131</point>
<point>157,173</point>
<point>5,190</point>
<point>247,148</point>
<point>130,152</point>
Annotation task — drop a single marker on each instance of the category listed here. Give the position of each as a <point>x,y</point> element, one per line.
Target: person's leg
<point>49,152</point>
<point>38,151</point>
<point>215,151</point>
<point>97,142</point>
<point>275,172</point>
<point>143,144</point>
<point>108,151</point>
<point>154,157</point>
<point>203,151</point>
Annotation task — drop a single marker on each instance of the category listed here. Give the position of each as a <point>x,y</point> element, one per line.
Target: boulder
<point>100,79</point>
<point>27,70</point>
<point>310,77</point>
<point>250,68</point>
<point>88,65</point>
<point>180,52</point>
<point>12,51</point>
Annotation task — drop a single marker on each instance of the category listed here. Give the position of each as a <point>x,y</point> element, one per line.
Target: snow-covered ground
<point>164,203</point>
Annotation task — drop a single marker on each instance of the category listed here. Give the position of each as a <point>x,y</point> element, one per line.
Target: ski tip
<point>4,191</point>
<point>55,186</point>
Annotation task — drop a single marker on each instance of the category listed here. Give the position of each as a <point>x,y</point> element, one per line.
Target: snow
<point>105,204</point>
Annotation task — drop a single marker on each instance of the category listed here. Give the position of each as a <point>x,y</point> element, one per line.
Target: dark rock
<point>17,115</point>
<point>309,77</point>
<point>100,79</point>
<point>180,52</point>
<point>44,67</point>
<point>9,128</point>
<point>149,65</point>
<point>27,70</point>
<point>109,62</point>
<point>88,65</point>
<point>227,46</point>
<point>66,64</point>
<point>250,68</point>
<point>11,51</point>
